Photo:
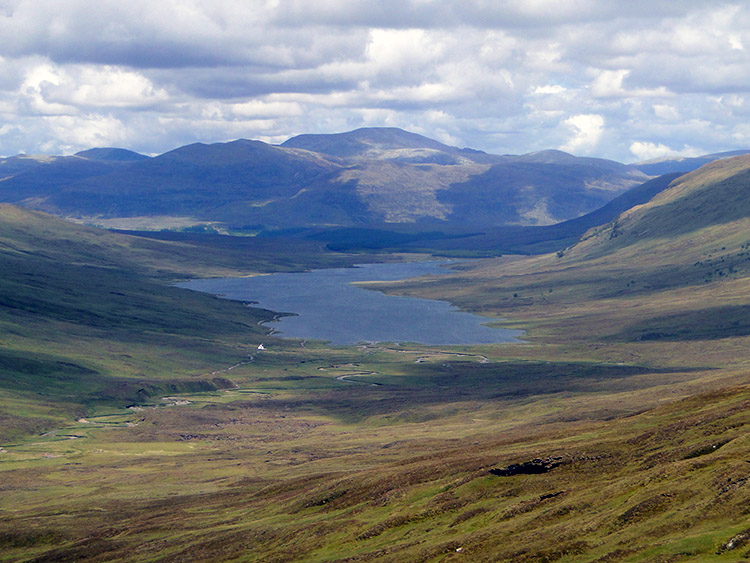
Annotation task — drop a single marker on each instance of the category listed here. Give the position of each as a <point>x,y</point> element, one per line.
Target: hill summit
<point>368,142</point>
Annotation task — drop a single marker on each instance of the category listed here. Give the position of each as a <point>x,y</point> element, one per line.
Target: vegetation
<point>86,314</point>
<point>147,426</point>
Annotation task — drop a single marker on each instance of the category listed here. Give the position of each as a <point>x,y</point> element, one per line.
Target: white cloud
<point>548,89</point>
<point>507,77</point>
<point>34,91</point>
<point>87,130</point>
<point>587,131</point>
<point>667,112</point>
<point>53,90</point>
<point>645,150</point>
<point>261,108</point>
<point>609,84</point>
<point>111,87</point>
<point>5,129</point>
<point>406,55</point>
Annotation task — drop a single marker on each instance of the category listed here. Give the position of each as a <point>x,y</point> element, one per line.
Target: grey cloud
<point>141,35</point>
<point>229,83</point>
<point>505,77</point>
<point>437,14</point>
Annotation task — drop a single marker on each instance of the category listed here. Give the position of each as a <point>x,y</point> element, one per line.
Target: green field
<point>141,422</point>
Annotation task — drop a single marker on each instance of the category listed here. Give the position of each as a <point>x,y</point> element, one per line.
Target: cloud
<point>106,87</point>
<point>508,77</point>
<point>609,84</point>
<point>87,130</point>
<point>266,109</point>
<point>666,112</point>
<point>587,131</point>
<point>648,151</point>
<point>549,89</point>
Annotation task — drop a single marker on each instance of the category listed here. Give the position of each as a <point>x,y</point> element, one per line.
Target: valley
<point>141,422</point>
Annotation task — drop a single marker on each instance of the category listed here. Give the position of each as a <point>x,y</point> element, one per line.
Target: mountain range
<point>369,176</point>
<point>368,189</point>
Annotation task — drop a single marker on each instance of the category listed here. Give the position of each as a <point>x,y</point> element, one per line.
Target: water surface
<point>328,307</point>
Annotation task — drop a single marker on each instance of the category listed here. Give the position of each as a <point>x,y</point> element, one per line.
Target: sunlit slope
<point>708,206</point>
<point>676,268</point>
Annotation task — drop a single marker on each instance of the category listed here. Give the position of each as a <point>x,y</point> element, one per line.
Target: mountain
<point>111,154</point>
<point>364,177</point>
<point>708,207</point>
<point>455,241</point>
<point>33,179</point>
<point>675,268</point>
<point>668,165</point>
<point>379,143</point>
<point>196,180</point>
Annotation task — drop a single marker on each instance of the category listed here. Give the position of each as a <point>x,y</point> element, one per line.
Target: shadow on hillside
<point>706,324</point>
<point>409,396</point>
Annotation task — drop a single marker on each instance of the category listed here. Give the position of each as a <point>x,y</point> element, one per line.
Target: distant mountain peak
<point>112,154</point>
<point>548,155</point>
<point>366,141</point>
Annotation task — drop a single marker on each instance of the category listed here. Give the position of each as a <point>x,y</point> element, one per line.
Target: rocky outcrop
<point>533,467</point>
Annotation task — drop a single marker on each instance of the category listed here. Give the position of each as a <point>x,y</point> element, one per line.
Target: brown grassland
<point>619,420</point>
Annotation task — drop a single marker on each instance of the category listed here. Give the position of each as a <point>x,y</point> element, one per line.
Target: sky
<point>626,80</point>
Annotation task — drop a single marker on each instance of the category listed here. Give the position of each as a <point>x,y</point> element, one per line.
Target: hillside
<point>709,203</point>
<point>147,425</point>
<point>483,241</point>
<point>364,177</point>
<point>674,268</point>
<point>89,317</point>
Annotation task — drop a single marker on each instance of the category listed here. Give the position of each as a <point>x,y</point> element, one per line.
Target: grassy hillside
<point>86,314</point>
<point>297,466</point>
<point>673,268</point>
<point>615,432</point>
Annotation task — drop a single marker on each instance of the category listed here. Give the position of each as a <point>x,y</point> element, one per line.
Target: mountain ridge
<point>666,165</point>
<point>711,197</point>
<point>365,176</point>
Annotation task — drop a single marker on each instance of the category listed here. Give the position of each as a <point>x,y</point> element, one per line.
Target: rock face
<point>736,541</point>
<point>373,176</point>
<point>533,467</point>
